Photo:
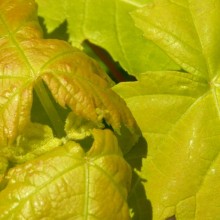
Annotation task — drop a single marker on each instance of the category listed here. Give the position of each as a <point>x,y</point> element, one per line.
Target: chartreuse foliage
<point>67,183</point>
<point>58,160</point>
<point>179,112</point>
<point>108,24</point>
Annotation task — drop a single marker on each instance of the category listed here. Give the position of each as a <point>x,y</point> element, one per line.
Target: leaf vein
<point>200,41</point>
<point>14,41</point>
<point>118,36</point>
<point>167,35</point>
<point>38,189</point>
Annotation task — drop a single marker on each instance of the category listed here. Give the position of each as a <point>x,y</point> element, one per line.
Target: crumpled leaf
<point>78,128</point>
<point>29,62</point>
<point>36,140</point>
<point>68,183</point>
<point>107,24</point>
<point>3,168</point>
<point>178,112</point>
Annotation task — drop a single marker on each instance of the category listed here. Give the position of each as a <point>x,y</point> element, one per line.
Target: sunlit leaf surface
<point>179,112</point>
<point>76,82</point>
<point>107,24</point>
<point>68,183</point>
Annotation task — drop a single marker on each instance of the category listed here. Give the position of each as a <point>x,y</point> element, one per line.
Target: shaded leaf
<point>107,24</point>
<point>68,183</point>
<point>78,128</point>
<point>36,140</point>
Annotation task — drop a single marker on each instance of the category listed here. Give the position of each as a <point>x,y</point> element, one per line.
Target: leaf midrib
<point>197,33</point>
<point>200,42</point>
<point>82,162</point>
<point>47,183</point>
<point>15,42</point>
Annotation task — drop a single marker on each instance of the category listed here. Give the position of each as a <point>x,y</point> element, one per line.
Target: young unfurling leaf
<point>28,62</point>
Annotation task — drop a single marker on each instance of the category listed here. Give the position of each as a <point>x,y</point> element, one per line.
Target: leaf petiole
<point>50,109</point>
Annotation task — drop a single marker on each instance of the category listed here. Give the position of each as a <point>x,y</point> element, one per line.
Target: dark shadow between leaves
<point>4,180</point>
<point>113,68</point>
<point>39,114</point>
<point>137,200</point>
<point>137,153</point>
<point>86,143</point>
<point>59,33</point>
<point>171,218</point>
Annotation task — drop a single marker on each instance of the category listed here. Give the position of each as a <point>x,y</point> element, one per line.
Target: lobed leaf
<point>187,40</point>
<point>107,24</point>
<point>27,62</point>
<point>68,183</point>
<point>178,112</point>
<point>182,131</point>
